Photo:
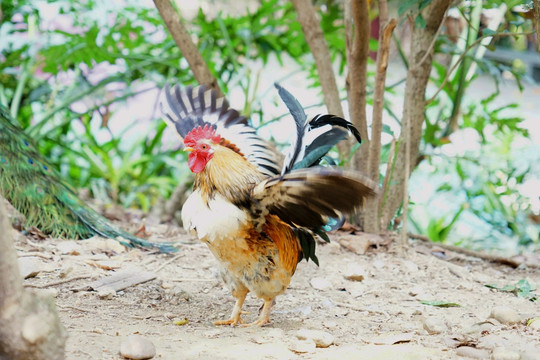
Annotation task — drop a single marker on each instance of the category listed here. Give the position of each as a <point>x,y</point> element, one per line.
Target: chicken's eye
<point>204,146</point>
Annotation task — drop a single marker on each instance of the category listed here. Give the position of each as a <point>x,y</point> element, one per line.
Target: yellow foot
<point>260,322</point>
<point>233,321</point>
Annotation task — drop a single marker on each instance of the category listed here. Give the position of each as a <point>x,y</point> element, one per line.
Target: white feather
<point>218,221</point>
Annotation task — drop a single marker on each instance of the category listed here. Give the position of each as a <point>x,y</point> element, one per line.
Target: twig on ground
<point>174,258</point>
<point>488,257</point>
<point>59,282</point>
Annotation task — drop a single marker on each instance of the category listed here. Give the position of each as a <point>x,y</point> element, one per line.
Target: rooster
<point>257,214</point>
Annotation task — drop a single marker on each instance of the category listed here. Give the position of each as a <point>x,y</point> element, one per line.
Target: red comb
<point>198,133</point>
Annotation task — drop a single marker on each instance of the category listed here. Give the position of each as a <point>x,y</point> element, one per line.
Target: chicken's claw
<point>234,320</point>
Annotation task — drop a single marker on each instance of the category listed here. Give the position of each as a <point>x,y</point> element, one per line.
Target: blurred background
<point>84,79</point>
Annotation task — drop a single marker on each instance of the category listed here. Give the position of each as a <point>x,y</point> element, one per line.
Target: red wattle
<point>196,163</point>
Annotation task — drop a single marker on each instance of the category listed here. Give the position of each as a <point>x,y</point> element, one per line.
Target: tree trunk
<point>357,30</point>
<point>371,212</point>
<point>536,9</point>
<point>414,102</point>
<point>183,40</point>
<point>307,17</point>
<point>29,326</point>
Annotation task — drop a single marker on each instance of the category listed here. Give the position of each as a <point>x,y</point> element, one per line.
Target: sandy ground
<point>377,317</point>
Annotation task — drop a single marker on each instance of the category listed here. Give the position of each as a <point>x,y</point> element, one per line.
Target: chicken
<point>259,217</point>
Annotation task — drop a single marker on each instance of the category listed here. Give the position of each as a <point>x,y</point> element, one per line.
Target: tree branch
<point>183,40</point>
<point>29,326</point>
<point>414,103</point>
<point>307,17</point>
<point>371,223</point>
<point>536,9</point>
<point>357,29</point>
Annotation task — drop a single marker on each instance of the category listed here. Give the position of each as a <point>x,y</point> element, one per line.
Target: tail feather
<point>314,137</point>
<point>36,190</point>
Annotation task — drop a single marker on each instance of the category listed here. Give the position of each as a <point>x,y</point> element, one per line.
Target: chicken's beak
<point>188,149</point>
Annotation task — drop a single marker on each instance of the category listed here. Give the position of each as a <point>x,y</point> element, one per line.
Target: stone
<point>106,293</point>
<point>302,346</point>
<point>322,339</point>
<point>137,347</point>
<point>320,284</point>
<point>501,353</point>
<point>357,244</point>
<point>505,315</point>
<point>35,334</point>
<point>434,326</point>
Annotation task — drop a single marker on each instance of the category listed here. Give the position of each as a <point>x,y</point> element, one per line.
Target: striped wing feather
<point>191,107</point>
<point>308,197</point>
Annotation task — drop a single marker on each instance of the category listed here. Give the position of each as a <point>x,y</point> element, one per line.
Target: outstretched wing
<point>185,109</point>
<point>314,136</point>
<point>309,197</point>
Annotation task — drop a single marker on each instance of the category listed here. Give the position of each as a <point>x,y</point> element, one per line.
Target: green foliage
<point>522,289</point>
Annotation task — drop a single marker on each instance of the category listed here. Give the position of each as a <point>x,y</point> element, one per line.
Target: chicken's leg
<point>264,317</point>
<point>237,310</point>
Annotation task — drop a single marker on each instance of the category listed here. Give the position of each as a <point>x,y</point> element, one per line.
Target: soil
<point>378,315</point>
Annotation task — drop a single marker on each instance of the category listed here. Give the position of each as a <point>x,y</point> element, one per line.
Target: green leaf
<point>488,32</point>
<point>439,303</point>
<point>419,21</point>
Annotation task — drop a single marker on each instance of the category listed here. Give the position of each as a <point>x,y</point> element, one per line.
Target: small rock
<point>354,272</point>
<point>106,293</point>
<point>477,328</point>
<point>505,315</point>
<point>357,244</point>
<point>302,346</point>
<point>97,330</point>
<point>470,352</point>
<point>35,334</point>
<point>97,244</point>
<point>320,283</point>
<point>434,326</point>
<point>501,353</point>
<point>321,338</point>
<point>167,285</point>
<point>137,347</point>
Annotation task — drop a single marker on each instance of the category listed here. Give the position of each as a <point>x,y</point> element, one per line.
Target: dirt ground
<point>378,315</point>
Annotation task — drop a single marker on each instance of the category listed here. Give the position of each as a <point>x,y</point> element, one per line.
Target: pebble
<point>320,284</point>
<point>501,353</point>
<point>322,339</point>
<point>35,334</point>
<point>505,315</point>
<point>137,347</point>
<point>470,352</point>
<point>355,243</point>
<point>302,346</point>
<point>106,293</point>
<point>434,326</point>
<point>355,272</point>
